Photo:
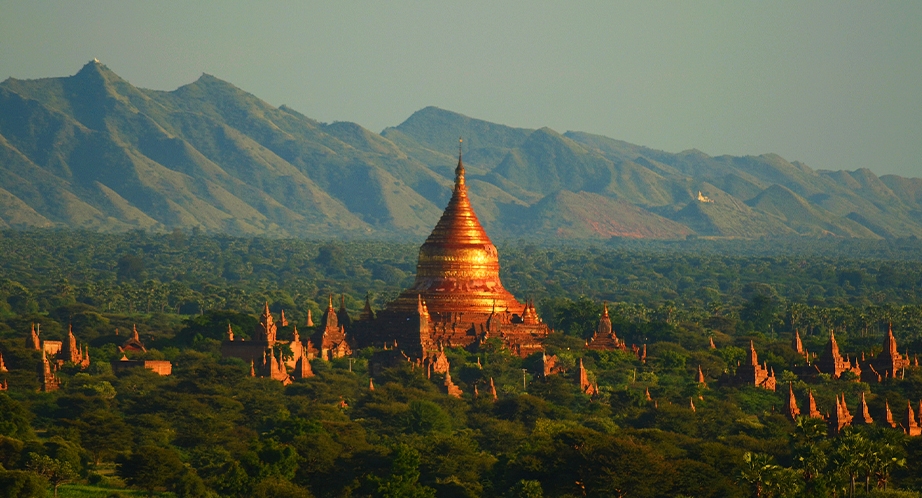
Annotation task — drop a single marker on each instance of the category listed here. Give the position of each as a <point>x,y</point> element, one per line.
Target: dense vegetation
<point>210,429</point>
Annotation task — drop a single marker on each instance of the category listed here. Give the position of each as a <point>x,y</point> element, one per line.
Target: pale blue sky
<point>835,84</point>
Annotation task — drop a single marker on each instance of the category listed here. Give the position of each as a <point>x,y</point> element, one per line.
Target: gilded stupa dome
<point>458,268</point>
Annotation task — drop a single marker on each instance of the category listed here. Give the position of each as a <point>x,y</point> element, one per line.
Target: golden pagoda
<point>458,268</point>
<point>457,298</point>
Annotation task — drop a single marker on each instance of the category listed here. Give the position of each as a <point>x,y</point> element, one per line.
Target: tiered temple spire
<point>863,416</point>
<point>700,379</point>
<point>790,404</point>
<point>840,417</point>
<point>752,373</point>
<point>458,268</point>
<point>584,385</point>
<point>909,423</point>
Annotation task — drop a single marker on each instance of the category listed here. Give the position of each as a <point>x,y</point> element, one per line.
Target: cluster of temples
<point>750,373</point>
<point>265,353</point>
<point>457,300</point>
<point>55,354</point>
<point>888,364</point>
<point>840,417</point>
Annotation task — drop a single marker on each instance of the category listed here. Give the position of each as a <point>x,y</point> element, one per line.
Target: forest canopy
<point>652,429</point>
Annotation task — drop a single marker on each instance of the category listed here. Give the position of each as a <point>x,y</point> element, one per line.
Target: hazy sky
<point>835,84</point>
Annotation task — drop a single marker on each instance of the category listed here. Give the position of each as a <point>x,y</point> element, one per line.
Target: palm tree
<point>757,471</point>
<point>852,456</point>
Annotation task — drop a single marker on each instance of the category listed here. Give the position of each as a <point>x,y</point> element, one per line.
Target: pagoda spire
<point>33,342</point>
<point>753,357</point>
<point>910,425</point>
<point>863,416</point>
<point>367,312</point>
<point>459,170</point>
<point>458,265</point>
<point>888,415</point>
<point>812,411</point>
<point>790,405</point>
<point>890,342</point>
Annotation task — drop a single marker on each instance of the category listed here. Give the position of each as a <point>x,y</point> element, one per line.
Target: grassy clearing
<point>86,491</point>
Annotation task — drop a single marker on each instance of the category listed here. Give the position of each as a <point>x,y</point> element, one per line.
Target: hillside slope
<point>93,151</point>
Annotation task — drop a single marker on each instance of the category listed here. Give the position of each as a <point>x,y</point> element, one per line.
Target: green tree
<point>56,471</point>
<point>425,417</point>
<point>150,468</point>
<point>22,484</point>
<point>403,481</point>
<point>14,419</point>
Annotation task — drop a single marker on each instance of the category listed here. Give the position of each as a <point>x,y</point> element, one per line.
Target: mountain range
<point>92,151</point>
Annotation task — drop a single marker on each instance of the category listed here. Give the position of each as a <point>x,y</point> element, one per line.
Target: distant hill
<point>93,151</point>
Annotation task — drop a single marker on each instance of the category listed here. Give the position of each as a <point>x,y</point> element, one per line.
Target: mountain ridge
<point>92,151</point>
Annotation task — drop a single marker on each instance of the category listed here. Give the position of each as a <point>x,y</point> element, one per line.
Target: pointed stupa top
<point>790,404</point>
<point>890,343</point>
<point>863,415</point>
<point>888,415</point>
<point>812,410</point>
<point>367,312</point>
<point>832,347</point>
<point>458,268</point>
<point>753,356</point>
